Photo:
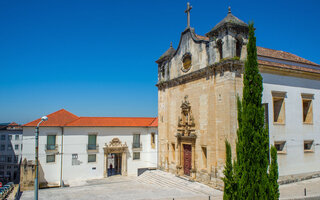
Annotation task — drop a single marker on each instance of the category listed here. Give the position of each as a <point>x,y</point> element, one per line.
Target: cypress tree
<point>253,142</point>
<point>228,192</point>
<point>273,175</point>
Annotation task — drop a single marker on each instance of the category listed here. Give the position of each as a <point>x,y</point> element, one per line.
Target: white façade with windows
<point>294,122</point>
<point>85,153</point>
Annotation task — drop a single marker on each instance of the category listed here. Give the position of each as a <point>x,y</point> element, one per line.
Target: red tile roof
<point>271,53</point>
<point>58,118</point>
<point>13,124</point>
<point>113,121</point>
<point>155,122</point>
<point>65,118</point>
<point>281,55</point>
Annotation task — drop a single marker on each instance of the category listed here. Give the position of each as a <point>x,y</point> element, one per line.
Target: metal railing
<point>136,145</point>
<point>51,147</point>
<point>92,147</point>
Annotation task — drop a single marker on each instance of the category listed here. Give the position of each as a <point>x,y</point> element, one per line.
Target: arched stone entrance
<point>116,147</point>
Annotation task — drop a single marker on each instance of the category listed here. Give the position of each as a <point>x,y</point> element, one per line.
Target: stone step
<point>166,182</point>
<point>170,180</point>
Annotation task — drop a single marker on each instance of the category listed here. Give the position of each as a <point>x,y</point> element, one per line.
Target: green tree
<point>273,175</point>
<point>229,192</point>
<point>248,177</point>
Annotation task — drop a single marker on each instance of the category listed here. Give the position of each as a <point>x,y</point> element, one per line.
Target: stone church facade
<point>198,85</point>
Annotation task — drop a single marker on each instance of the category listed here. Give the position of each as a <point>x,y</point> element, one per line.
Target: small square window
<point>16,147</point>
<point>136,155</point>
<point>3,147</point>
<point>51,158</point>
<point>280,146</point>
<point>3,137</point>
<point>308,146</point>
<point>9,137</point>
<point>9,147</point>
<point>92,158</point>
<point>17,137</point>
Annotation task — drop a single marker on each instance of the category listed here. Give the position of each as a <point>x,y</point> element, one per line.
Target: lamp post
<point>36,180</point>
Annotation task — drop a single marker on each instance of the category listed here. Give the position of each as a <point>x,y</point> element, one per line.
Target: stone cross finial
<point>229,9</point>
<point>170,44</point>
<point>188,13</point>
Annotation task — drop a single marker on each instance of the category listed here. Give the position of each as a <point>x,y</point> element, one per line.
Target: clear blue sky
<point>96,58</point>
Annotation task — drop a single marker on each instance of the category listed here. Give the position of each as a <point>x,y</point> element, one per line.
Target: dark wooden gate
<point>187,159</point>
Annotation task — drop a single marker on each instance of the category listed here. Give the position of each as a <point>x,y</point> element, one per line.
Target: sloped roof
<point>58,118</point>
<point>271,53</point>
<point>155,122</point>
<point>113,121</point>
<point>167,54</point>
<point>229,19</point>
<point>67,119</point>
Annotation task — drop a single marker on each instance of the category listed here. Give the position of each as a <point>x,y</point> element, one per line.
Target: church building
<point>75,149</point>
<point>198,85</point>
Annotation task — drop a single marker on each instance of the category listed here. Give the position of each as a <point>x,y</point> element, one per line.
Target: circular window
<point>186,60</point>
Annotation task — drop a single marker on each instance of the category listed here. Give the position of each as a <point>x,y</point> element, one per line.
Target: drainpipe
<point>61,156</point>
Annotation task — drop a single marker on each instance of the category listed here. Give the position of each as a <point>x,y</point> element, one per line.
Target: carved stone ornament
<point>186,121</point>
<point>115,145</point>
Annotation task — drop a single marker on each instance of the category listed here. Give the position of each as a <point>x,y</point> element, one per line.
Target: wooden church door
<point>187,159</point>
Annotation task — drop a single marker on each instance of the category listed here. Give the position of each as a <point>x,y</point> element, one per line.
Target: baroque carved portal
<point>115,146</point>
<point>186,121</point>
<point>186,139</point>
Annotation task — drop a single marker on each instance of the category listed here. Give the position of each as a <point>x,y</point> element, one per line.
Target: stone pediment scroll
<point>114,146</point>
<point>186,121</point>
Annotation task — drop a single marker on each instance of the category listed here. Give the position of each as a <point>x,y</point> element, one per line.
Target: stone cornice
<point>217,68</point>
<point>288,72</point>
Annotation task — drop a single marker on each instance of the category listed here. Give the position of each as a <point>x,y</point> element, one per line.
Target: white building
<point>10,151</point>
<point>74,149</point>
<point>292,92</point>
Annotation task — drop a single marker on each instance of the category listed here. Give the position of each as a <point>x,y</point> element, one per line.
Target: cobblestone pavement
<point>158,185</point>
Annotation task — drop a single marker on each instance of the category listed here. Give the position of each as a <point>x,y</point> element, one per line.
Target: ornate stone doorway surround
<point>186,136</point>
<point>116,146</point>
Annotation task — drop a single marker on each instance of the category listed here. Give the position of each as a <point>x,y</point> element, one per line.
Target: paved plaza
<point>157,185</point>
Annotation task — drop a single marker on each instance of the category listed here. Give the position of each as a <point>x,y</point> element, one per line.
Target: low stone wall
<point>297,177</point>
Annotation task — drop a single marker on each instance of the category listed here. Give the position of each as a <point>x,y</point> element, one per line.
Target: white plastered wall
<point>294,131</point>
<point>75,141</point>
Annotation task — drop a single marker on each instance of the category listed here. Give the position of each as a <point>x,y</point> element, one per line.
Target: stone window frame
<point>308,150</point>
<point>95,145</point>
<point>153,140</point>
<point>204,157</point>
<point>134,157</point>
<point>238,45</point>
<point>276,96</point>
<point>173,152</point>
<point>284,146</point>
<point>308,118</point>
<point>219,45</point>
<point>186,55</point>
<point>92,154</point>
<point>51,162</point>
